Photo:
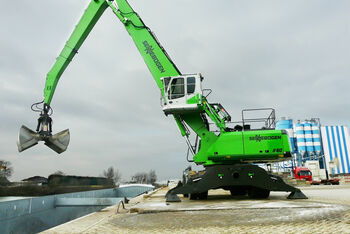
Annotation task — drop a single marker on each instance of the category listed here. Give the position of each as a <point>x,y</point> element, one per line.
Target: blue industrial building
<point>336,148</point>
<point>330,145</point>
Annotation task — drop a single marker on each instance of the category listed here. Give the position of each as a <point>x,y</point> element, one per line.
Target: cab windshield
<point>304,173</point>
<point>177,88</point>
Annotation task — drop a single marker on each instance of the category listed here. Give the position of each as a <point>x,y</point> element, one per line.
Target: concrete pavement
<point>326,211</point>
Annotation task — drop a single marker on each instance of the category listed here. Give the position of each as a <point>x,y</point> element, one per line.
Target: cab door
<point>176,91</point>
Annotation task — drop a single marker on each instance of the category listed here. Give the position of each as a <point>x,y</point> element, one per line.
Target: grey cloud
<point>291,55</point>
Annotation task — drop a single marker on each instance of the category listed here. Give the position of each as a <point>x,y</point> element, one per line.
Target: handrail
<point>269,121</point>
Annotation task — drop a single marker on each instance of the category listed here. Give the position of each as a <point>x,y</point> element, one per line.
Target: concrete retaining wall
<point>32,215</point>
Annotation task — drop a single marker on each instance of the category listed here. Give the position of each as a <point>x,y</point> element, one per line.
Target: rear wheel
<point>258,193</point>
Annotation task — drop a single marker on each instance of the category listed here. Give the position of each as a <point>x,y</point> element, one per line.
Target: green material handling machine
<point>228,154</point>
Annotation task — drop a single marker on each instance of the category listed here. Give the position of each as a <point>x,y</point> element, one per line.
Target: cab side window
<point>191,84</point>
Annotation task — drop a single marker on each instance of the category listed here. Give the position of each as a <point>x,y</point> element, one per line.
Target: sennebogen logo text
<point>259,138</point>
<point>149,50</point>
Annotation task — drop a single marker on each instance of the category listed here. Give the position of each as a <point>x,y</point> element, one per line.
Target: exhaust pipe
<point>28,138</point>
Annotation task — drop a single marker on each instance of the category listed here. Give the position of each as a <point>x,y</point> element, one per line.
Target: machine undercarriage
<point>240,179</point>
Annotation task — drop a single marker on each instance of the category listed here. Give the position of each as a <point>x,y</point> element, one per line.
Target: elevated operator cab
<point>182,93</point>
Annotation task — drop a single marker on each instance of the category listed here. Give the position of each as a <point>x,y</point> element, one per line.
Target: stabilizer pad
<point>172,198</point>
<point>297,194</point>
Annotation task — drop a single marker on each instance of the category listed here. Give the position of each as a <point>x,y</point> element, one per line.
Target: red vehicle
<point>302,173</point>
<point>334,181</point>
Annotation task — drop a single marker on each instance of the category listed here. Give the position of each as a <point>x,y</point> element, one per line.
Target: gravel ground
<point>326,211</point>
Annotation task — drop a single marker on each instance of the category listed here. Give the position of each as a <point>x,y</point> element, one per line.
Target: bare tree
<point>145,178</point>
<point>6,169</point>
<point>152,177</point>
<point>112,174</point>
<point>58,173</point>
<point>140,177</point>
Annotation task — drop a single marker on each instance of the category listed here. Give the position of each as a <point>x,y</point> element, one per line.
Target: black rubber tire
<point>198,196</point>
<point>203,196</point>
<point>258,193</point>
<point>193,196</point>
<point>238,192</point>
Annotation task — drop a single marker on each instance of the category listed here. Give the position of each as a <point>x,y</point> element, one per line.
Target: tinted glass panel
<point>177,88</point>
<point>191,84</point>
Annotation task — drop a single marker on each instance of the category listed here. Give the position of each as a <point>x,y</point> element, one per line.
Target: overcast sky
<point>290,55</point>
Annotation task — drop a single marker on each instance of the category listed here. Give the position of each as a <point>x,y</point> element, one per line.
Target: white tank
<point>316,138</point>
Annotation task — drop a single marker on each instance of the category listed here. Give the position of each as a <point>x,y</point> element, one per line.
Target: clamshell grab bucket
<point>28,138</point>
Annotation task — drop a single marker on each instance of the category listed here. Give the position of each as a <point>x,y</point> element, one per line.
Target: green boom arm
<point>81,31</point>
<point>154,55</point>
